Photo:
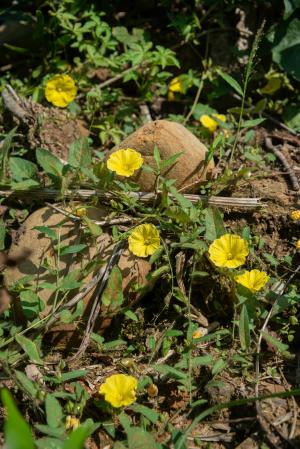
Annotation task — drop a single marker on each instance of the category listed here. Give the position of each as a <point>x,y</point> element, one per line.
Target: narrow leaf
<point>54,412</point>
<point>112,296</point>
<point>17,432</point>
<point>30,348</point>
<point>80,153</point>
<point>232,82</point>
<point>21,168</point>
<point>50,163</point>
<point>214,226</point>
<point>244,329</point>
<point>26,383</point>
<point>48,231</point>
<point>72,249</point>
<point>282,347</point>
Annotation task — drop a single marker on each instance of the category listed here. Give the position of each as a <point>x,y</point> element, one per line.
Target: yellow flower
<point>80,212</point>
<point>175,86</point>
<point>197,334</point>
<point>144,240</point>
<point>210,123</point>
<point>125,162</point>
<point>119,390</point>
<point>60,90</point>
<point>254,280</point>
<point>295,215</point>
<point>71,422</point>
<point>298,245</point>
<point>228,251</point>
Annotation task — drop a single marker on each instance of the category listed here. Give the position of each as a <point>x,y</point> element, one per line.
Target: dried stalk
<point>281,157</point>
<point>49,193</point>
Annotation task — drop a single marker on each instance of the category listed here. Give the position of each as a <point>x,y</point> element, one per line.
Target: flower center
<point>229,256</point>
<point>59,89</point>
<point>147,241</point>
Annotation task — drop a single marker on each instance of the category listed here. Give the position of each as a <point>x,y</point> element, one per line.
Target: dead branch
<point>281,157</point>
<point>49,193</point>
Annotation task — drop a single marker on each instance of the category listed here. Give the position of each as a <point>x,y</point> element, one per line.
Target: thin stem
<point>247,78</point>
<point>189,326</point>
<point>195,101</point>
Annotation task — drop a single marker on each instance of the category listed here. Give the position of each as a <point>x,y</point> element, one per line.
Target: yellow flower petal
<point>298,245</point>
<point>60,90</point>
<point>220,117</point>
<point>119,390</point>
<point>254,280</point>
<point>71,422</point>
<point>176,85</point>
<point>125,162</point>
<point>295,215</point>
<point>228,251</point>
<point>208,123</point>
<point>144,240</point>
<point>211,124</point>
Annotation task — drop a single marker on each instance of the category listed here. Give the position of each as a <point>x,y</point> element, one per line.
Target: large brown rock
<point>134,270</point>
<point>170,138</point>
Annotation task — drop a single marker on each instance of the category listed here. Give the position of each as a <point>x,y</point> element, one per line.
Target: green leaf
<point>54,414</point>
<point>112,296</point>
<point>93,227</point>
<point>171,160</point>
<point>286,46</point>
<point>2,234</point>
<point>17,432</point>
<point>57,432</point>
<point>291,115</point>
<point>271,259</point>
<point>21,169</point>
<point>31,303</point>
<point>251,123</point>
<point>80,153</point>
<point>150,414</point>
<point>25,185</point>
<point>218,366</point>
<point>72,249</point>
<point>131,315</point>
<point>138,438</point>
<point>26,383</point>
<point>232,82</point>
<point>290,7</point>
<point>30,348</point>
<point>202,360</point>
<point>203,109</point>
<point>244,329</point>
<point>70,281</point>
<point>77,438</point>
<point>48,231</point>
<point>119,445</point>
<point>274,342</point>
<point>170,371</point>
<point>48,442</point>
<point>125,421</point>
<point>184,202</point>
<point>50,163</point>
<point>156,156</point>
<point>214,226</point>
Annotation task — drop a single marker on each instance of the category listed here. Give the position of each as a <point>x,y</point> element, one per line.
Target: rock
<point>134,270</point>
<point>170,138</point>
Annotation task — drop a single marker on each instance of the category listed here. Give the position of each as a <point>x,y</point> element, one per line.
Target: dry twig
<point>49,193</point>
<point>281,157</point>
